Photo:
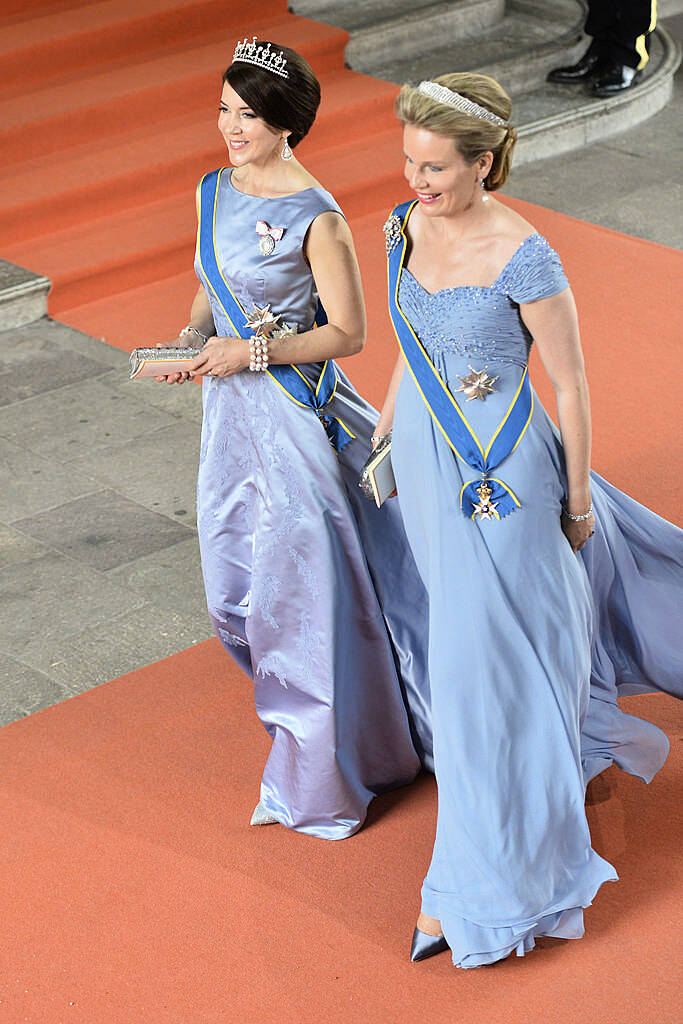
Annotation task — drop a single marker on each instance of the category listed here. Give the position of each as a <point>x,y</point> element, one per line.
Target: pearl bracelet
<point>193,330</point>
<point>258,353</point>
<point>578,519</point>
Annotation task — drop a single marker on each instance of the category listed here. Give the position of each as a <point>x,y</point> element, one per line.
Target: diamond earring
<point>286,153</point>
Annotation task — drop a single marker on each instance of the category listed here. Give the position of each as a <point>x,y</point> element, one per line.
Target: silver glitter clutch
<point>377,476</point>
<point>156,362</point>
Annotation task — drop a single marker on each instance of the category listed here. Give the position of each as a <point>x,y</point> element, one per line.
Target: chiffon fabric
<point>529,643</point>
<point>310,588</point>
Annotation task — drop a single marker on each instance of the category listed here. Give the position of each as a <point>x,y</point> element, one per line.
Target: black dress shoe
<point>614,79</point>
<point>592,63</point>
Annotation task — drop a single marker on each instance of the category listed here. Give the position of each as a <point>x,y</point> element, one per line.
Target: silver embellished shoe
<point>262,817</point>
<point>424,945</point>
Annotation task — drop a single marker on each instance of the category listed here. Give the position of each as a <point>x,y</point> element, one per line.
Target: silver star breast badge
<point>286,331</point>
<point>261,321</point>
<point>477,384</point>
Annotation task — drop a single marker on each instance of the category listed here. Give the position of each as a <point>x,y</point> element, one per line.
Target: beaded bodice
<point>485,322</point>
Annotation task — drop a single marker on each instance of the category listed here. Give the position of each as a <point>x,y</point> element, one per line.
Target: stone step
<point>556,119</point>
<point>518,50</point>
<point>23,296</point>
<point>357,15</point>
<point>403,37</point>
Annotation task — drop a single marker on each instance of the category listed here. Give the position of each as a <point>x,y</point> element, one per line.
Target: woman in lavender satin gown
<point>311,589</point>
<point>535,625</point>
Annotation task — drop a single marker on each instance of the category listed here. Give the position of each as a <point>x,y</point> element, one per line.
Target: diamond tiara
<point>453,99</point>
<point>262,56</point>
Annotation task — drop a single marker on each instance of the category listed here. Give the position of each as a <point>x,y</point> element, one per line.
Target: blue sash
<point>496,499</point>
<point>288,377</point>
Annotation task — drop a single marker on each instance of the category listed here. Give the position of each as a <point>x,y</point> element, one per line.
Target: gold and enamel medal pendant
<point>477,384</point>
<point>485,508</point>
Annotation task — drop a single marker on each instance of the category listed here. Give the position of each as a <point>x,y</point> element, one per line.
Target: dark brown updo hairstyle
<point>286,104</point>
<point>472,136</point>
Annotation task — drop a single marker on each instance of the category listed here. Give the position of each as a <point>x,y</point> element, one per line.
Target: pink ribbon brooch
<point>268,237</point>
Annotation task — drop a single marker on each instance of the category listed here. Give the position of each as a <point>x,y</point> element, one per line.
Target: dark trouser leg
<point>622,29</point>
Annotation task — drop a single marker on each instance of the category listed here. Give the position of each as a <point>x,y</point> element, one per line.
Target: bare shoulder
<point>300,179</point>
<point>328,228</point>
<point>511,229</point>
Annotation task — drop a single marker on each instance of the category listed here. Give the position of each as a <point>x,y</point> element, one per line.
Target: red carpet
<point>133,890</point>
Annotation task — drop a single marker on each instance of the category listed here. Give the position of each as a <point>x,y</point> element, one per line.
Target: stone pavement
<point>99,567</point>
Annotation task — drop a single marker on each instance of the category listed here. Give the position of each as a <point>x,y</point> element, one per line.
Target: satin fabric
<point>311,589</point>
<point>529,643</point>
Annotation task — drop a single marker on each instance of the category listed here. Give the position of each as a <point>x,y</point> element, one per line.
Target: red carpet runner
<point>132,888</point>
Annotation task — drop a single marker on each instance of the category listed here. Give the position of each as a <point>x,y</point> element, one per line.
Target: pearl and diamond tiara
<point>262,56</point>
<point>453,99</point>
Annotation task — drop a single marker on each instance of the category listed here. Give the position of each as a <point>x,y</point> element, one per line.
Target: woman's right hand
<point>173,378</point>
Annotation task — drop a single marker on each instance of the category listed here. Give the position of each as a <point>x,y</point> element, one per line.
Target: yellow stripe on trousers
<point>641,48</point>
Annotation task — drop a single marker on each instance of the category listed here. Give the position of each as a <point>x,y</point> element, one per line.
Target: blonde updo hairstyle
<point>472,136</point>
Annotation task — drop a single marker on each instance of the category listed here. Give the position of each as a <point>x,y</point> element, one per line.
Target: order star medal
<point>286,331</point>
<point>477,384</point>
<point>266,245</point>
<point>261,321</point>
<point>485,508</point>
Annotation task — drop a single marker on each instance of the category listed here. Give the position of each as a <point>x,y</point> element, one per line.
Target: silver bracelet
<point>193,330</point>
<point>578,519</point>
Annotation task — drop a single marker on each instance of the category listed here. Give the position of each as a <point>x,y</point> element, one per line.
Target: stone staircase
<point>515,41</point>
<point>100,151</point>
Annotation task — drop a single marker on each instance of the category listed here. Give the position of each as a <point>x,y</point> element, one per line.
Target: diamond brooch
<point>392,232</point>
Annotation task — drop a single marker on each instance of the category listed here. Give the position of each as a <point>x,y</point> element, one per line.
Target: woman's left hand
<point>578,533</point>
<point>221,357</point>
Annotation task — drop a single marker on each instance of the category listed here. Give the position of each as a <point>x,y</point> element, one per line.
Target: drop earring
<point>286,153</point>
<point>484,197</point>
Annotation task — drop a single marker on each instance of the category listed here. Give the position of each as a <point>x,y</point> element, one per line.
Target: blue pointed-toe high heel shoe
<point>424,945</point>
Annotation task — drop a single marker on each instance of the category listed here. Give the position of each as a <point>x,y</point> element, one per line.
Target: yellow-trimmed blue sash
<point>446,412</point>
<point>288,377</point>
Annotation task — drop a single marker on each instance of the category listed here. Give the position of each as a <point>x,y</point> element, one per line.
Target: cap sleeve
<point>313,202</point>
<point>534,272</point>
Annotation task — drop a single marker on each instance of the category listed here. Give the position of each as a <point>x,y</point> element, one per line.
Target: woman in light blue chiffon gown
<point>538,617</point>
<point>311,589</point>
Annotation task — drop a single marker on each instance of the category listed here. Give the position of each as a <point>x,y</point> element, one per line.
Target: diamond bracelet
<point>193,330</point>
<point>578,519</point>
